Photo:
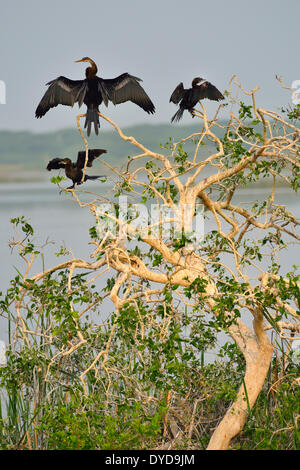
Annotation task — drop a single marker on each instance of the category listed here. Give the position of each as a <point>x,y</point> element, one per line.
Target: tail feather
<point>92,118</point>
<point>178,115</point>
<point>87,177</point>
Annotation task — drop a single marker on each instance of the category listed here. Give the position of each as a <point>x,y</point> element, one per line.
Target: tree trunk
<point>258,354</point>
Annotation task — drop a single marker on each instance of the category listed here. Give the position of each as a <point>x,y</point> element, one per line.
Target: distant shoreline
<point>24,155</point>
<point>29,177</point>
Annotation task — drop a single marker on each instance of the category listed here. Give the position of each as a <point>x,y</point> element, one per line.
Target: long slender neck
<point>92,70</point>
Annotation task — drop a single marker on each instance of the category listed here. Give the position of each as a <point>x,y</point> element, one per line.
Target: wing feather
<point>56,164</point>
<point>177,94</point>
<point>124,88</point>
<point>207,90</point>
<point>93,153</point>
<point>64,91</point>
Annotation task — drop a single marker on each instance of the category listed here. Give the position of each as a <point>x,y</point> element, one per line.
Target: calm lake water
<point>63,222</point>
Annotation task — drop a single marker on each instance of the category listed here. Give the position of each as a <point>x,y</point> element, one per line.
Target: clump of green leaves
<point>292,112</point>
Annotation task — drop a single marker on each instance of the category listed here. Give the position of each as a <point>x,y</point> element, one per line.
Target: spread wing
<point>207,90</point>
<point>64,91</point>
<point>177,94</point>
<point>93,153</point>
<point>56,164</point>
<point>125,88</point>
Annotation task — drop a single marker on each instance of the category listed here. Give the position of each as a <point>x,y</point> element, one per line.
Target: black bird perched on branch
<point>74,170</point>
<point>190,97</point>
<point>92,92</point>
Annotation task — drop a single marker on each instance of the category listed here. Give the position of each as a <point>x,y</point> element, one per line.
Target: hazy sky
<point>163,42</point>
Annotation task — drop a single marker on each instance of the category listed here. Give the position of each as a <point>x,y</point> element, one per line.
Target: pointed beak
<point>81,60</point>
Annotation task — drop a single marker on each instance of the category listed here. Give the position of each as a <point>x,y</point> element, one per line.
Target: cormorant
<point>92,92</point>
<point>74,170</point>
<point>188,98</point>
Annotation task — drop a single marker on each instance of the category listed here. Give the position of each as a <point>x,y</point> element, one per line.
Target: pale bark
<point>184,265</point>
<point>258,355</point>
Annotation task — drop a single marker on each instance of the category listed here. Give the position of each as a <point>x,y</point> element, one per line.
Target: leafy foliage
<point>81,374</point>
